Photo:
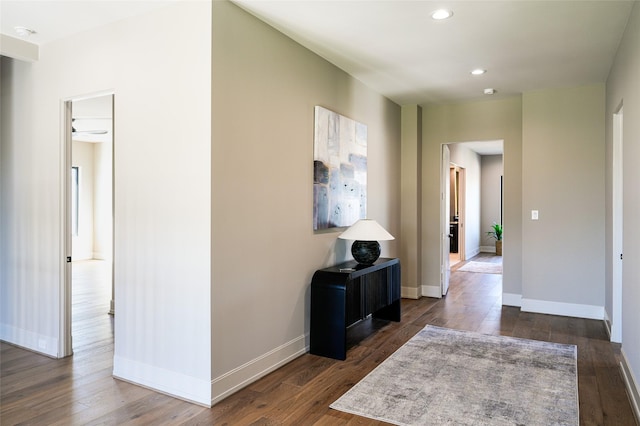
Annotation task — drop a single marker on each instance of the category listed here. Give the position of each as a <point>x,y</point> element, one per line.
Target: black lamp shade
<point>365,252</point>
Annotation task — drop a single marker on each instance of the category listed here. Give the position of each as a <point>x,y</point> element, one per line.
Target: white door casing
<point>65,345</point>
<point>617,226</point>
<point>445,186</point>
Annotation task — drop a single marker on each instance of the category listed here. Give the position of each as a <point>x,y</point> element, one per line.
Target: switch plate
<point>534,214</point>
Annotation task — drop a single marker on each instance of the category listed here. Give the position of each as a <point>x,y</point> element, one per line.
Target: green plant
<point>496,231</point>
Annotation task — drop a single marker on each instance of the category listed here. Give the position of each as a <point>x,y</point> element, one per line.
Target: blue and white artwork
<point>339,170</point>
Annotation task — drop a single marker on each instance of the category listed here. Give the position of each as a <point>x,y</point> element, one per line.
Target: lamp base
<point>365,252</point>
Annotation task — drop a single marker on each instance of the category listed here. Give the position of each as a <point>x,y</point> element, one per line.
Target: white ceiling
<point>394,46</point>
<point>484,147</point>
<point>56,19</point>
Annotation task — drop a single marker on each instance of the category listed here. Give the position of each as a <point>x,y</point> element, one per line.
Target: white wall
<point>92,114</point>
<point>30,221</point>
<point>103,205</point>
<point>94,239</point>
<point>491,171</point>
<point>83,158</point>
<point>470,161</point>
<point>265,87</point>
<point>13,47</point>
<point>159,67</point>
<point>623,88</point>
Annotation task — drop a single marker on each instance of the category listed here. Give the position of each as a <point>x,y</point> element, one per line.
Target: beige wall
<point>411,201</point>
<point>560,134</point>
<point>623,88</point>
<point>264,250</point>
<point>465,122</point>
<point>563,178</point>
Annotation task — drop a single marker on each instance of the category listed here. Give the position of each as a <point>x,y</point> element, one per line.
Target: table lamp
<point>366,233</point>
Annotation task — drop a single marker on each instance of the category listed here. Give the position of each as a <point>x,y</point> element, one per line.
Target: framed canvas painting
<point>339,170</point>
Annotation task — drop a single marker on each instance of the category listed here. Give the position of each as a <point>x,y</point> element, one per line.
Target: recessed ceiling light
<point>441,14</point>
<point>478,71</point>
<point>23,31</point>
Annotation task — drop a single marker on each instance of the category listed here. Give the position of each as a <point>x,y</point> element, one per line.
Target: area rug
<point>482,267</point>
<point>452,377</point>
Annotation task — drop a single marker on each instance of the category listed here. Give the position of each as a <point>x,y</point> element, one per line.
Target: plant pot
<point>499,247</point>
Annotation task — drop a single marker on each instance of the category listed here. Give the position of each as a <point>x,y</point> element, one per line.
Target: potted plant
<point>496,232</point>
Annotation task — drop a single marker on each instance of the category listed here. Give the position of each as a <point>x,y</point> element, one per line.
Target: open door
<point>65,347</point>
<point>445,187</point>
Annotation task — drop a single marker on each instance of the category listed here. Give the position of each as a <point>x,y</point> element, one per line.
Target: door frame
<point>65,341</point>
<point>445,180</point>
<point>617,196</point>
<point>65,346</point>
<point>462,198</point>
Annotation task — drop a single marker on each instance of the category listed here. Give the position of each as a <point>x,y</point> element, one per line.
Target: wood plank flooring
<point>80,390</point>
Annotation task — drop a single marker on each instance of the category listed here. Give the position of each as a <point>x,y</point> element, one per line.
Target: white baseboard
<point>410,293</point>
<point>244,375</point>
<point>487,249</point>
<point>607,324</point>
<point>561,308</point>
<point>510,299</point>
<point>470,253</point>
<point>165,381</point>
<point>431,291</point>
<point>29,340</point>
<point>83,256</point>
<point>98,255</point>
<point>631,385</point>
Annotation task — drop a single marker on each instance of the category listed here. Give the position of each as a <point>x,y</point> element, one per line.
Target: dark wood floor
<point>80,390</point>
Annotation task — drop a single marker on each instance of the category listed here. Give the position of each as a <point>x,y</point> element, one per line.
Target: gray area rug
<point>451,377</point>
<point>483,267</point>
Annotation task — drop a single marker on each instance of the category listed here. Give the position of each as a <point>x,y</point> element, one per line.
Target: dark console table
<point>347,293</point>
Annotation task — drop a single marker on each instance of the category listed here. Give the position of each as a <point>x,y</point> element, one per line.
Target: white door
<point>65,344</point>
<point>445,182</point>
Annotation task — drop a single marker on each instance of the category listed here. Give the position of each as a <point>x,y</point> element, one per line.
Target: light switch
<point>534,214</point>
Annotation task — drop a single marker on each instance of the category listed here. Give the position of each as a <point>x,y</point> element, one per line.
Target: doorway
<point>89,280</point>
<point>472,193</point>
<point>617,227</point>
<point>456,219</point>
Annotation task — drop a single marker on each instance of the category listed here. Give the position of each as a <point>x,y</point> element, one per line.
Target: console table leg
<point>390,312</point>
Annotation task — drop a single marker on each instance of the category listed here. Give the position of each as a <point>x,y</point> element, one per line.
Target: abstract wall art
<point>339,170</point>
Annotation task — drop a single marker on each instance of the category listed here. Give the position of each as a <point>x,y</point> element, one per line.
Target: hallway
<point>80,389</point>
